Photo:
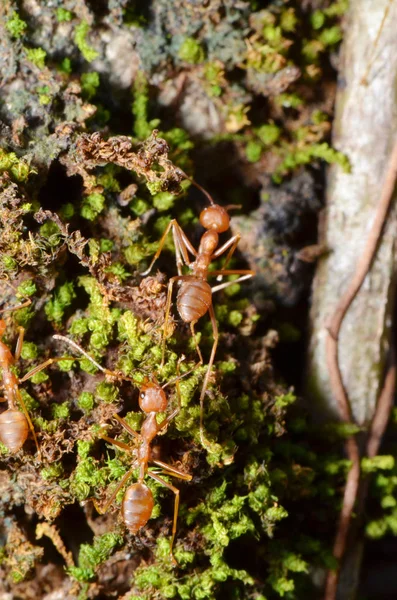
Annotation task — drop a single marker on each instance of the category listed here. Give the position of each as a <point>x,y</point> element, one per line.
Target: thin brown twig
<point>381,415</point>
<point>383,408</point>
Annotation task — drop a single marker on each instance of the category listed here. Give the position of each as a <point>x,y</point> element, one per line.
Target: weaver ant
<point>14,423</point>
<point>194,298</point>
<point>137,504</point>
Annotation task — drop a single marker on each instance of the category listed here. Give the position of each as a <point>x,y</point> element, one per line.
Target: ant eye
<point>142,395</point>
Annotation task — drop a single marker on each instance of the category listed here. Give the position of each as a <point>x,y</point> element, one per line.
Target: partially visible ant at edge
<point>15,423</point>
<point>194,298</point>
<point>137,504</point>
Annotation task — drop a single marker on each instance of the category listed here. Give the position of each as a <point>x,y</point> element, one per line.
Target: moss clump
<point>63,298</point>
<point>92,205</point>
<point>86,401</point>
<point>36,56</point>
<point>18,169</point>
<point>142,126</point>
<point>89,84</point>
<point>63,15</point>
<point>190,51</point>
<point>80,39</point>
<point>15,25</point>
<point>91,556</point>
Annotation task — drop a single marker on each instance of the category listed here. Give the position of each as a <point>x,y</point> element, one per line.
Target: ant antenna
<point>79,349</point>
<point>233,207</point>
<point>94,362</point>
<point>199,187</point>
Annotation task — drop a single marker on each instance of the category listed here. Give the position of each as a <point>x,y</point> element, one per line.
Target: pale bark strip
<point>365,128</point>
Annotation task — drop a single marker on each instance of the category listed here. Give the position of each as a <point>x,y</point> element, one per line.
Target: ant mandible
<point>194,298</point>
<point>137,504</point>
<point>14,423</point>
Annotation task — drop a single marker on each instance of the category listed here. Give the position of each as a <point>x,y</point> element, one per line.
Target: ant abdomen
<point>14,429</point>
<point>194,299</point>
<point>137,506</point>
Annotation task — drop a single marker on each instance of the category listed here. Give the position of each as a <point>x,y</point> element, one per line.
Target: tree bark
<point>365,128</point>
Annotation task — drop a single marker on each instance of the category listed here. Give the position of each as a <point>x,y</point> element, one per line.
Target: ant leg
<point>167,312</point>
<point>208,373</point>
<point>124,424</point>
<point>43,366</point>
<point>232,244</point>
<point>103,509</point>
<point>192,324</point>
<point>172,470</point>
<point>176,508</point>
<point>184,241</point>
<point>160,248</point>
<point>23,305</point>
<point>174,413</point>
<point>29,420</point>
<point>245,274</point>
<point>108,372</point>
<point>120,445</point>
<point>182,246</point>
<point>18,347</point>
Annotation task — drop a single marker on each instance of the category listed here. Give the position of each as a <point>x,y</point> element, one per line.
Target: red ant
<point>194,298</point>
<point>137,504</point>
<point>15,424</point>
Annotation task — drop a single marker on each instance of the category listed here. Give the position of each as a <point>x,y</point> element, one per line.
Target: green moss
<point>330,36</point>
<point>89,84</point>
<point>26,289</point>
<point>253,151</point>
<point>18,169</point>
<point>105,245</point>
<point>80,39</point>
<point>302,155</point>
<point>86,401</point>
<point>63,15</point>
<point>288,20</point>
<point>92,205</point>
<point>66,66</point>
<point>62,299</point>
<point>191,52</point>
<point>142,126</point>
<point>60,411</point>
<point>53,471</point>
<point>317,19</point>
<point>91,556</point>
<point>9,263</point>
<point>107,392</point>
<point>108,180</point>
<point>163,201</point>
<point>139,207</point>
<point>119,271</point>
<point>28,400</point>
<point>268,134</point>
<point>39,377</point>
<point>29,350</point>
<point>235,318</point>
<point>369,465</point>
<point>15,25</point>
<point>36,56</point>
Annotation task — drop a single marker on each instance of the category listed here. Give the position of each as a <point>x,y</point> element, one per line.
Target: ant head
<point>215,217</point>
<point>152,398</point>
<point>2,327</point>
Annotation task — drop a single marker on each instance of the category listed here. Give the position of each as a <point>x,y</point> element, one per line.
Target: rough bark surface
<point>365,128</point>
